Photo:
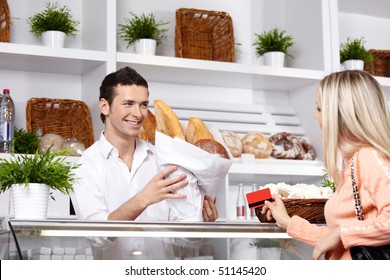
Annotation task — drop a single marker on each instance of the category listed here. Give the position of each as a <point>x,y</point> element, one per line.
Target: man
<point>119,178</point>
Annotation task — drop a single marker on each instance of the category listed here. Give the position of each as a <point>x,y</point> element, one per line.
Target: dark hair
<point>124,76</point>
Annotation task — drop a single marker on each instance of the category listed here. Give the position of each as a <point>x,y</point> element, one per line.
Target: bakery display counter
<point>93,240</point>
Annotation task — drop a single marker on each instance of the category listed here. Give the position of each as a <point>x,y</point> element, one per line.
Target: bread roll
<point>51,140</point>
<point>197,130</point>
<point>213,147</point>
<point>148,130</point>
<point>257,144</point>
<point>167,121</point>
<point>233,142</point>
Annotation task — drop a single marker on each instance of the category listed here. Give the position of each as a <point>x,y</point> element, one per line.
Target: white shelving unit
<point>77,70</point>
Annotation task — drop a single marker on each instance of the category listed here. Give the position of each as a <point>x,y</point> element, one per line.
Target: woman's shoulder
<point>371,158</point>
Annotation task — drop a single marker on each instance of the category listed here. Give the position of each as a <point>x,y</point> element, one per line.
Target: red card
<point>256,199</point>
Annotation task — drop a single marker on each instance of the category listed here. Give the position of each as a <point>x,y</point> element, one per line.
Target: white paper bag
<point>205,172</point>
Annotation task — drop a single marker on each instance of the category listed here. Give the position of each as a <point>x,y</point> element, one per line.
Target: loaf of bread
<point>233,142</point>
<point>148,129</point>
<point>257,144</point>
<point>167,121</point>
<point>213,147</point>
<point>51,140</point>
<point>197,130</point>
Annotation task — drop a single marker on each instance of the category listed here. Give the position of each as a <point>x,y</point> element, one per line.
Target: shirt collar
<point>106,148</point>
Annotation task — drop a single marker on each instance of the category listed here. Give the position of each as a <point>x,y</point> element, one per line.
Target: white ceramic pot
<point>269,253</point>
<point>54,39</point>
<point>145,46</point>
<point>274,59</point>
<point>353,64</point>
<point>30,202</point>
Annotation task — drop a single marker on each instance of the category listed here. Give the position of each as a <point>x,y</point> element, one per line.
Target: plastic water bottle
<point>7,122</point>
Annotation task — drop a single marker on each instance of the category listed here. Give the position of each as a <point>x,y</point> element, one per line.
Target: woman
<point>355,122</point>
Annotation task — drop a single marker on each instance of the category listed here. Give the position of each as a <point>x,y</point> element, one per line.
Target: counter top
<point>224,229</point>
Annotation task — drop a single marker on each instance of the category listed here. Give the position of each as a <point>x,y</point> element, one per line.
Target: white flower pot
<point>353,64</point>
<point>30,202</point>
<point>54,39</point>
<point>274,59</point>
<point>145,46</point>
<point>269,253</point>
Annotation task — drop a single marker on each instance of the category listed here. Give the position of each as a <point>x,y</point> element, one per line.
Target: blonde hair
<point>354,115</point>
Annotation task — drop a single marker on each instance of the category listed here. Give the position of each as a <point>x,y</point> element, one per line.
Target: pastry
<point>257,144</point>
<point>289,146</point>
<point>233,142</point>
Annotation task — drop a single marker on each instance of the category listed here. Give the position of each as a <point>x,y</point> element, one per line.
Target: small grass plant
<point>274,40</point>
<point>144,26</point>
<point>48,168</point>
<point>54,17</point>
<point>354,49</point>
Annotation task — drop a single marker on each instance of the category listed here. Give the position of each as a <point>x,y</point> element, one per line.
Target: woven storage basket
<point>207,35</point>
<point>309,209</point>
<point>66,117</point>
<point>5,22</point>
<point>381,64</point>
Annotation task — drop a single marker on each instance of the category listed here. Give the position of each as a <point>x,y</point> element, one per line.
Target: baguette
<point>197,130</point>
<point>148,129</point>
<point>167,121</point>
<point>143,135</point>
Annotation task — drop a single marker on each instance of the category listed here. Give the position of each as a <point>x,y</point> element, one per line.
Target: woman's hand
<point>276,210</point>
<point>329,242</point>
<point>209,211</point>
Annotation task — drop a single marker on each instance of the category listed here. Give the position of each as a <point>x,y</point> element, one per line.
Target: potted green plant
<point>273,45</point>
<point>143,30</point>
<point>31,177</point>
<point>353,54</point>
<point>53,24</point>
<point>25,142</point>
<point>269,249</point>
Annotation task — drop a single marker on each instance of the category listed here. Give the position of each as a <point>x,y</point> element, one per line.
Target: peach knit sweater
<point>372,173</point>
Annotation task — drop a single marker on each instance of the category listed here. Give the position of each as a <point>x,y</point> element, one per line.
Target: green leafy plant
<point>326,182</point>
<point>25,142</point>
<point>274,40</point>
<point>264,243</point>
<point>354,49</point>
<point>54,17</point>
<point>46,168</point>
<point>145,26</point>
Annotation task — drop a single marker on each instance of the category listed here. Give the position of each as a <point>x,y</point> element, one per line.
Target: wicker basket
<point>381,64</point>
<point>5,22</point>
<point>207,35</point>
<point>309,209</point>
<point>68,118</point>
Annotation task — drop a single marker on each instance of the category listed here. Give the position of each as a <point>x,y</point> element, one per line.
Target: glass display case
<point>102,240</point>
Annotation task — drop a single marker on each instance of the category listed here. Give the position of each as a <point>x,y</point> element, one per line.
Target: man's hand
<point>157,189</point>
<point>209,211</point>
<point>161,187</point>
